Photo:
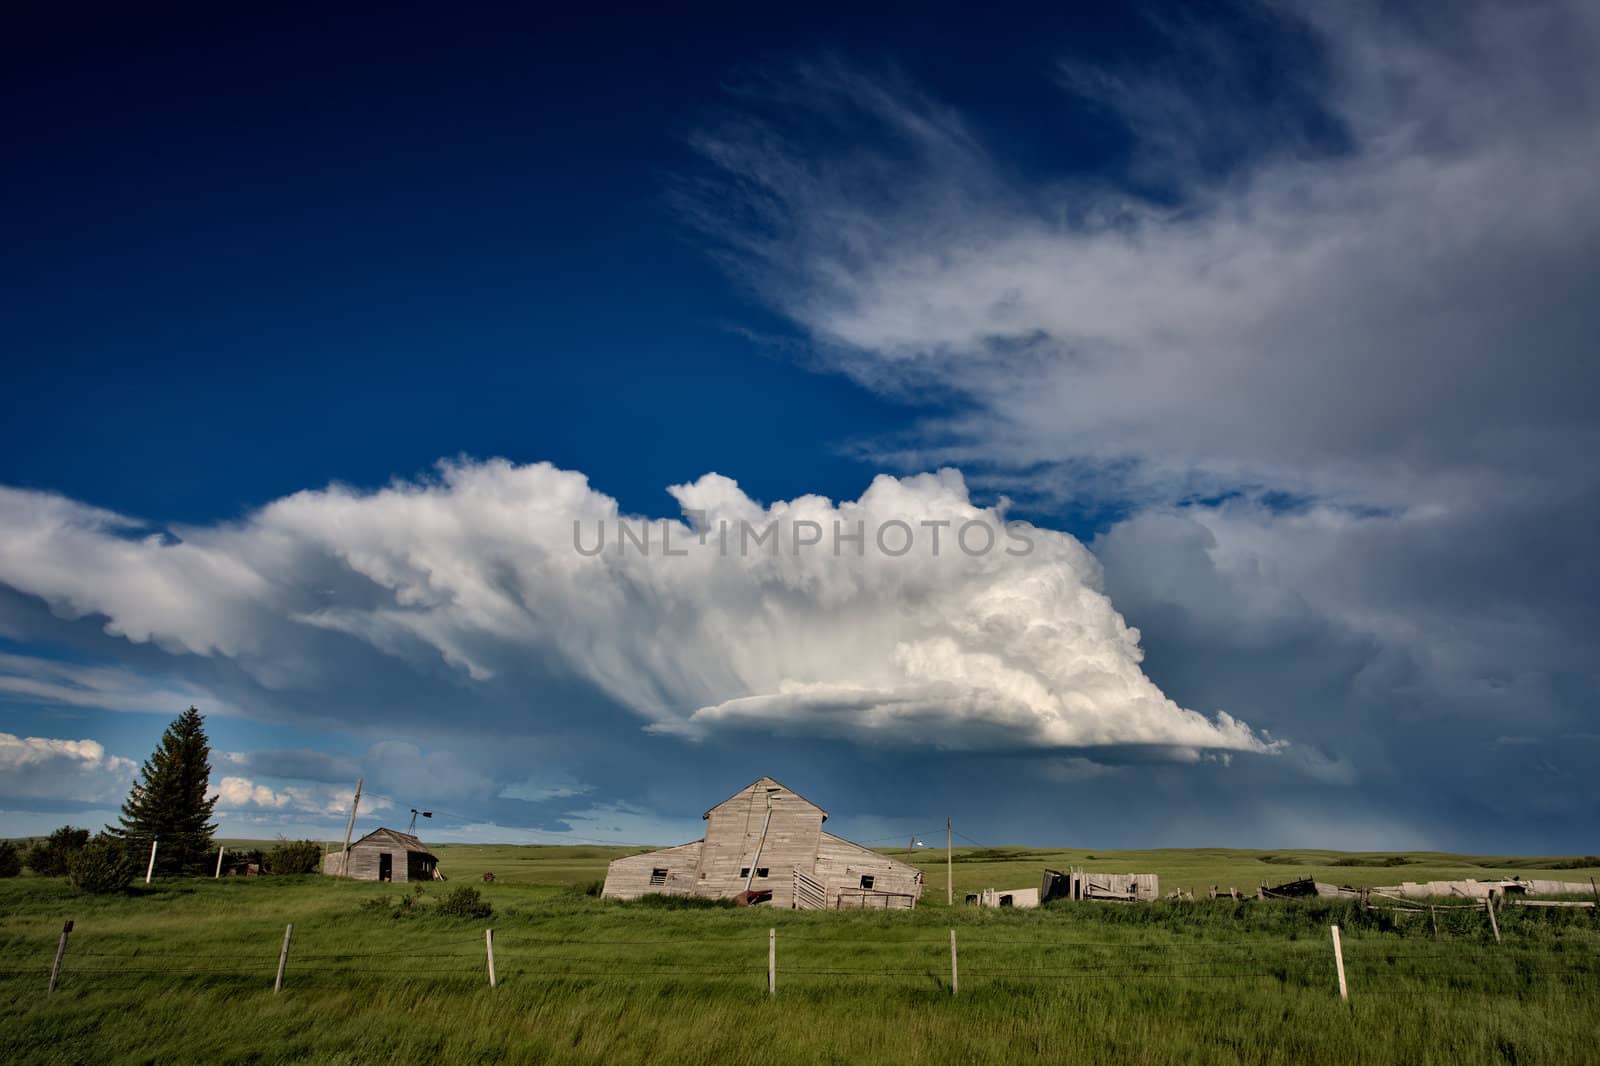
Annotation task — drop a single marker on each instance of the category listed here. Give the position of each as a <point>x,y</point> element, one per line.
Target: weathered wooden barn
<point>385,855</point>
<point>765,844</point>
<point>1077,884</point>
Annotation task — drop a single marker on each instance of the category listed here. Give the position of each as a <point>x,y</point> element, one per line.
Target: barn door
<point>385,866</point>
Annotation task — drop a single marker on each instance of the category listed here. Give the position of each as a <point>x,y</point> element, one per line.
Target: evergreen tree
<point>168,803</point>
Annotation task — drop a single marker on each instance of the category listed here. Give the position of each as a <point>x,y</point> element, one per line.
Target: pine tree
<point>168,803</point>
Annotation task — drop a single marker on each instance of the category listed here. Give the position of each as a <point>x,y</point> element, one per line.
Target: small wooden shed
<point>385,855</point>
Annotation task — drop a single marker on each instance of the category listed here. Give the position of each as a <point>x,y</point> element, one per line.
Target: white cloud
<point>479,570</point>
<point>243,795</point>
<point>32,679</point>
<point>41,768</point>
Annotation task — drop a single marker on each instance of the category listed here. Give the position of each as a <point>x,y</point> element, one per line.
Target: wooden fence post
<point>488,942</point>
<point>1488,905</point>
<point>772,962</point>
<point>955,974</point>
<point>152,867</point>
<point>283,957</point>
<point>1338,962</point>
<point>61,950</point>
<point>220,850</point>
<point>1433,915</point>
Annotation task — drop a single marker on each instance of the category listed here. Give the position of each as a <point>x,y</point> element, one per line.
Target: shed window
<point>866,880</point>
<point>744,871</point>
<point>658,875</point>
<point>761,871</point>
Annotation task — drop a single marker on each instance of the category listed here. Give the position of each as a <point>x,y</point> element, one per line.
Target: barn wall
<point>629,877</point>
<point>364,862</point>
<point>841,864</point>
<point>734,835</point>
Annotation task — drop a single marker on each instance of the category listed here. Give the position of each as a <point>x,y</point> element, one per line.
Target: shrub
<point>52,857</point>
<point>681,903</point>
<point>294,857</point>
<point>101,867</point>
<point>10,859</point>
<point>465,902</point>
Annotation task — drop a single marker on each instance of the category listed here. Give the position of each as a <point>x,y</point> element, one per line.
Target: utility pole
<point>949,868</point>
<point>344,859</point>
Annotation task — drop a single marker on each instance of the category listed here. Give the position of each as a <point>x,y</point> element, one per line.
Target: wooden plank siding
<point>763,827</point>
<point>842,865</point>
<point>408,859</point>
<point>632,877</point>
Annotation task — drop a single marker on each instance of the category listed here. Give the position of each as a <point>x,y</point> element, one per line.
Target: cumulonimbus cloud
<point>941,625</point>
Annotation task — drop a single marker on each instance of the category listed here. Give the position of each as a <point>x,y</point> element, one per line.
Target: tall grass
<point>182,972</point>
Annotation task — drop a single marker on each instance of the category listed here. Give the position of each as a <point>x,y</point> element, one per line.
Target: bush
<point>681,903</point>
<point>10,859</point>
<point>101,867</point>
<point>465,902</point>
<point>294,857</point>
<point>52,857</point>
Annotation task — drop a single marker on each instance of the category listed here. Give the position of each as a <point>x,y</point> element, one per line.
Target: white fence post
<point>488,942</point>
<point>1338,962</point>
<point>772,962</point>
<point>152,867</point>
<point>283,957</point>
<point>955,975</point>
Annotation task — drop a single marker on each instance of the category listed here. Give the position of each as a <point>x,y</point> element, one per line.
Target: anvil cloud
<point>479,569</point>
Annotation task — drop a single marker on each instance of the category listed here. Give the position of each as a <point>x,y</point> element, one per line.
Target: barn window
<point>867,880</point>
<point>744,871</point>
<point>658,875</point>
<point>761,871</point>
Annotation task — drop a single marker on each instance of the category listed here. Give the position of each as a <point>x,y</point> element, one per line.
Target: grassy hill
<point>182,971</point>
<point>1195,869</point>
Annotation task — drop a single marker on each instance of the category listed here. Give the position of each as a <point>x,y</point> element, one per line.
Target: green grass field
<point>182,972</point>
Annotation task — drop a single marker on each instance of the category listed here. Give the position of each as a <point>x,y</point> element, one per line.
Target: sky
<point>1160,427</point>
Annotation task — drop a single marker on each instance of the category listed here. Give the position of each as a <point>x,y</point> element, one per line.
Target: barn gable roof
<point>395,838</point>
<point>843,844</point>
<point>767,784</point>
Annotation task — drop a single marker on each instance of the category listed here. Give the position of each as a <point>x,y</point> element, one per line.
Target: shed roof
<point>770,785</point>
<point>393,837</point>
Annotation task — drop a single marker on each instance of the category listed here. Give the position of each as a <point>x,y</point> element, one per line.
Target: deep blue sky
<point>268,253</point>
<point>1229,292</point>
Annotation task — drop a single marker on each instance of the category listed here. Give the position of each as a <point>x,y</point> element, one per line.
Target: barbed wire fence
<point>1348,966</point>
